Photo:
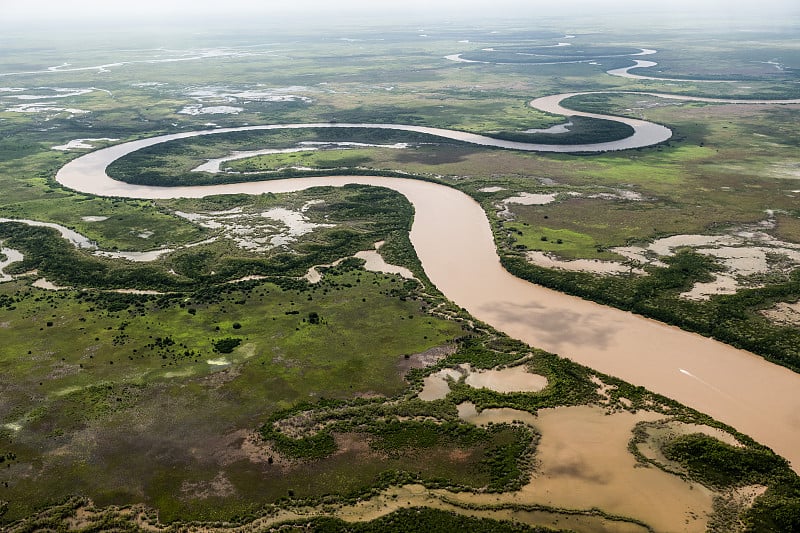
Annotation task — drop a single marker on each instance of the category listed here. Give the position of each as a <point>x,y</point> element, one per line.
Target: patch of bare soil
<point>784,313</point>
<point>217,379</point>
<point>729,506</point>
<point>299,425</point>
<point>595,266</point>
<point>248,445</point>
<point>219,487</point>
<point>88,516</point>
<point>425,359</point>
<point>353,443</point>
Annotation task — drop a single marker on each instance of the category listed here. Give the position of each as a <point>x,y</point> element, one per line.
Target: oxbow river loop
<point>453,239</point>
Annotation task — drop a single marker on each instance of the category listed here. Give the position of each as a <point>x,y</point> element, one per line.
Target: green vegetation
<point>108,358</point>
<point>721,464</point>
<point>59,260</point>
<point>734,319</point>
<point>171,163</point>
<point>547,54</point>
<point>317,159</point>
<point>421,519</point>
<point>414,519</point>
<point>582,131</point>
<point>492,459</point>
<point>568,383</point>
<point>718,464</point>
<point>213,399</point>
<point>566,243</point>
<point>367,215</point>
<point>227,344</point>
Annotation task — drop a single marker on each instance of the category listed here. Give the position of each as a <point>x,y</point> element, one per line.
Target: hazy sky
<point>54,10</point>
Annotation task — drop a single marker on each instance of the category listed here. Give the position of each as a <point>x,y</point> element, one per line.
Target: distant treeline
<point>583,130</point>
<point>547,54</point>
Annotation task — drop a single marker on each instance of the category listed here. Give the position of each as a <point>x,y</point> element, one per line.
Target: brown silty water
<point>452,237</point>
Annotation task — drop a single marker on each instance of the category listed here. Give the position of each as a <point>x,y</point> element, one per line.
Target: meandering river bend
<point>453,239</point>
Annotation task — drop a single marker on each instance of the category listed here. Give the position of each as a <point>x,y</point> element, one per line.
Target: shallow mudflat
<point>582,464</point>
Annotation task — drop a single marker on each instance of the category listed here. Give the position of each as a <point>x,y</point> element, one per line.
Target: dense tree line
<point>721,465</point>
<point>583,131</point>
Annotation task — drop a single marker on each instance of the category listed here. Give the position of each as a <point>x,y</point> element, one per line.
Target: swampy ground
<point>212,383</point>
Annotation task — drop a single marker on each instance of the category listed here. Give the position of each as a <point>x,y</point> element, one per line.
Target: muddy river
<point>452,237</point>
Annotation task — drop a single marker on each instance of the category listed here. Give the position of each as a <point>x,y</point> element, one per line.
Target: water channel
<point>453,239</point>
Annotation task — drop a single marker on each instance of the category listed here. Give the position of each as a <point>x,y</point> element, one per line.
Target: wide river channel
<point>453,239</point>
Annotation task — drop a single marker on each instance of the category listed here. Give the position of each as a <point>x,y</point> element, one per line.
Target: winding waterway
<point>453,239</point>
<point>625,72</point>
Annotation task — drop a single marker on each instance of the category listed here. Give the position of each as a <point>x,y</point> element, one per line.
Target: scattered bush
<point>226,345</point>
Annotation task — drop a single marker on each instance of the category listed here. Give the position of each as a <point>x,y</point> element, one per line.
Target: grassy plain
<point>142,372</point>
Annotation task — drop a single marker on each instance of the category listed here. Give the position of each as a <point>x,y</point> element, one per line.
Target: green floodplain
<point>216,383</point>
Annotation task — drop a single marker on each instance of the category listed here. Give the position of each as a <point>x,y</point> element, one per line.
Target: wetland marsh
<point>315,293</point>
